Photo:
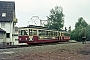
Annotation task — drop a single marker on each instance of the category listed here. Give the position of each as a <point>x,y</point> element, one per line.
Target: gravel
<point>52,51</point>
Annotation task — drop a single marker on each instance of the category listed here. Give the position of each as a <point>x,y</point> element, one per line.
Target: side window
<point>59,33</point>
<point>34,32</point>
<point>41,33</point>
<point>51,33</point>
<point>3,24</point>
<point>24,32</point>
<point>62,34</point>
<point>55,33</point>
<point>3,14</point>
<point>7,35</point>
<point>46,33</point>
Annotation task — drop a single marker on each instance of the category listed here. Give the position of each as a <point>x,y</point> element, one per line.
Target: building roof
<point>8,8</point>
<point>1,30</point>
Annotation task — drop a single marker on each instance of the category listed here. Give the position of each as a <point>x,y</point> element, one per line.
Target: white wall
<point>15,40</point>
<point>2,39</point>
<point>7,26</point>
<point>9,29</point>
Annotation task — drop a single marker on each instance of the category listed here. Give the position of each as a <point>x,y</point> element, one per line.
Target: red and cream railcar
<point>39,34</point>
<point>65,36</point>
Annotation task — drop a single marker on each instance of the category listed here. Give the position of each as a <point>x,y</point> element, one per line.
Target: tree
<point>81,22</point>
<point>69,29</point>
<point>80,28</point>
<point>88,32</point>
<point>65,29</point>
<point>56,18</point>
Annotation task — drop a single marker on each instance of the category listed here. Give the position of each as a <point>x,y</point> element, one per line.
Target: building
<point>2,37</point>
<point>8,21</point>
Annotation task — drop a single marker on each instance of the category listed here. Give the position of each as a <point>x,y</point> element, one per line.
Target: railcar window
<point>62,34</point>
<point>51,33</point>
<point>41,32</point>
<point>55,33</point>
<point>23,32</point>
<point>34,32</point>
<point>46,33</point>
<point>59,34</point>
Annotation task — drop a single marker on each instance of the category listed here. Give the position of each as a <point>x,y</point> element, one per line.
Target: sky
<point>26,10</point>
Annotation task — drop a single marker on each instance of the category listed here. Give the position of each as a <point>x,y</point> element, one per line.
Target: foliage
<point>69,29</point>
<point>81,23</point>
<point>88,32</point>
<point>55,19</point>
<point>80,29</point>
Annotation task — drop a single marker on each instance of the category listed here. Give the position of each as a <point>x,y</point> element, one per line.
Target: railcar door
<point>62,36</point>
<point>33,35</point>
<point>59,36</point>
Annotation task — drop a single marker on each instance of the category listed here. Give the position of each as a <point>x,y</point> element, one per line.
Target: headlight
<point>26,38</point>
<point>19,38</point>
<point>30,39</point>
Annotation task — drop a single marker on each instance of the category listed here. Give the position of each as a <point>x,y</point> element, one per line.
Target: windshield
<point>23,32</point>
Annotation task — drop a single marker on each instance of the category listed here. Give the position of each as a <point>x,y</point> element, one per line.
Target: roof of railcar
<point>40,27</point>
<point>33,26</point>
